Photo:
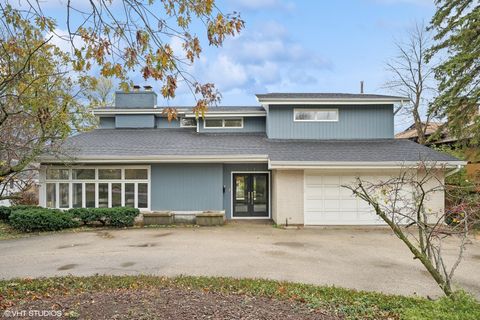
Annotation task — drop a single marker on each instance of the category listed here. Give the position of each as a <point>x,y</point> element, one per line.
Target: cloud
<point>260,60</point>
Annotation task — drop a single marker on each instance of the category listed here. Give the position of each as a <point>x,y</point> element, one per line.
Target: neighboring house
<point>285,160</point>
<point>431,128</point>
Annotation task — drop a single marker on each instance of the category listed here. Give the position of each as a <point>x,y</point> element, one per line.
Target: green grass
<point>349,303</point>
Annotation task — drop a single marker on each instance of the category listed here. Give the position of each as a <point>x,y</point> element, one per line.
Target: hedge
<point>41,219</point>
<point>5,212</point>
<point>117,217</point>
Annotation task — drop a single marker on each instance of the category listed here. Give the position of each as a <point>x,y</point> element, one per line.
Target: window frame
<point>223,123</point>
<point>122,181</point>
<point>184,126</point>
<point>295,110</point>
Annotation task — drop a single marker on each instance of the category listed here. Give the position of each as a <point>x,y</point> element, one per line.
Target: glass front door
<point>250,195</point>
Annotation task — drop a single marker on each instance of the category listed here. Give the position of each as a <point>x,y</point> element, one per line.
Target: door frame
<point>269,196</point>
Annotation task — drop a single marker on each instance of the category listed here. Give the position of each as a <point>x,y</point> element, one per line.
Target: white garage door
<point>328,203</point>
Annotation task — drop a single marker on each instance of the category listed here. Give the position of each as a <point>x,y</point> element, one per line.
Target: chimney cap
<point>147,88</point>
<point>136,87</point>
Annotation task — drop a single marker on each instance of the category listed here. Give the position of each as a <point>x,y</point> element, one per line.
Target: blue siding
<point>355,122</point>
<point>141,99</point>
<point>107,123</point>
<point>135,121</point>
<point>187,187</point>
<point>250,124</point>
<point>227,181</point>
<point>162,122</point>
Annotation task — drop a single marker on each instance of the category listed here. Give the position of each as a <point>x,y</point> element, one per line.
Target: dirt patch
<point>127,264</point>
<point>105,235</point>
<point>476,256</point>
<point>143,245</point>
<point>172,303</point>
<point>290,244</point>
<point>159,235</point>
<point>67,267</point>
<point>73,245</point>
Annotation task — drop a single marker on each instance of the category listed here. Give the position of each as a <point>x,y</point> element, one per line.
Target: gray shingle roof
<point>130,143</point>
<point>320,95</point>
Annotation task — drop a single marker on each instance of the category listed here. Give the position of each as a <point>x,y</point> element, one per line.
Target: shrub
<point>117,217</point>
<point>41,219</point>
<point>5,213</point>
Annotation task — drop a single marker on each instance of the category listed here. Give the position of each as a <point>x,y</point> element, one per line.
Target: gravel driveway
<point>364,259</point>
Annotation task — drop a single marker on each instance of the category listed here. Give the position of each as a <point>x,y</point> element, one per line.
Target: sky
<point>302,46</point>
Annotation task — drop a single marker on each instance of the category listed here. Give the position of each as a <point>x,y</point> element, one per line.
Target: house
<point>429,128</point>
<point>284,160</point>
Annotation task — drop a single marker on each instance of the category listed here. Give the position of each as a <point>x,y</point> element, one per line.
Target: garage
<point>326,202</point>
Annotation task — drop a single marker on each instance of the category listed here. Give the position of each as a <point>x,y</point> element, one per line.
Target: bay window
<point>102,187</point>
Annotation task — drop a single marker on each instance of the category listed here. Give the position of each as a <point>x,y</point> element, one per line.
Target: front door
<point>250,195</point>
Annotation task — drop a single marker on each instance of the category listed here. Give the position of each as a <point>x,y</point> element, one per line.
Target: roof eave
<point>358,164</point>
<point>366,101</point>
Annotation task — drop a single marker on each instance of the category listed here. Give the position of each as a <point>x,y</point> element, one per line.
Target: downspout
<point>458,168</point>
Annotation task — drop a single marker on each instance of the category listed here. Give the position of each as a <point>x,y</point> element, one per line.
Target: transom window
<point>188,122</point>
<point>102,187</point>
<point>315,115</point>
<point>223,123</point>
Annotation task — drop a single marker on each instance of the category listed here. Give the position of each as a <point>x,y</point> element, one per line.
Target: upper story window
<point>315,115</point>
<point>188,122</point>
<point>223,123</point>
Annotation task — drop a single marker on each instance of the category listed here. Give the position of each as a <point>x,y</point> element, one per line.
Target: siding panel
<point>355,122</point>
<point>135,121</point>
<point>187,187</point>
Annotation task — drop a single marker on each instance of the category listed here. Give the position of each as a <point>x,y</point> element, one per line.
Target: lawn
<point>149,297</point>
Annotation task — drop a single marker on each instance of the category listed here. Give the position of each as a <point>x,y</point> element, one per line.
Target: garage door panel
<point>328,203</point>
<point>331,204</point>
<point>331,192</point>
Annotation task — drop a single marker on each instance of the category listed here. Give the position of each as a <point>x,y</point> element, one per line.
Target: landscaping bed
<point>149,297</point>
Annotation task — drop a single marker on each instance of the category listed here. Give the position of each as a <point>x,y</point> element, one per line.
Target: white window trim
<point>223,123</point>
<point>295,110</point>
<point>96,181</point>
<point>183,126</point>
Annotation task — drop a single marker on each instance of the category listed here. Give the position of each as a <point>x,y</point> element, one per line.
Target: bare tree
<point>402,202</point>
<point>101,93</point>
<point>412,77</point>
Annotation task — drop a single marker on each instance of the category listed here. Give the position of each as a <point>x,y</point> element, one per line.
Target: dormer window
<point>188,122</point>
<point>223,123</point>
<point>315,115</point>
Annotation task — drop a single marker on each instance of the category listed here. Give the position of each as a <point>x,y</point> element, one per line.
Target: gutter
<point>458,168</point>
<point>355,165</point>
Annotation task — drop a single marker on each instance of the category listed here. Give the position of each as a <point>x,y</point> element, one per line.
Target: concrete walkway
<point>364,259</point>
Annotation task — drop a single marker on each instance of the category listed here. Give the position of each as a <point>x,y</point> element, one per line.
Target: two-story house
<point>285,160</point>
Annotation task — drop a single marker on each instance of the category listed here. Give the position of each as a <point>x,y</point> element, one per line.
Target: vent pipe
<point>361,86</point>
<point>147,88</point>
<point>136,88</point>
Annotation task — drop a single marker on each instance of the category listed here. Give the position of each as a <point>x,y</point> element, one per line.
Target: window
<point>129,194</point>
<point>136,174</point>
<point>188,122</point>
<point>103,195</point>
<point>112,174</point>
<point>315,115</point>
<point>77,195</point>
<point>64,195</point>
<point>98,187</point>
<point>223,123</point>
<point>57,174</point>
<point>51,195</point>
<point>90,195</point>
<point>83,174</point>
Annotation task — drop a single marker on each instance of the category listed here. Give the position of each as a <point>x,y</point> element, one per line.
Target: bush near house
<point>5,212</point>
<point>41,219</point>
<point>116,217</point>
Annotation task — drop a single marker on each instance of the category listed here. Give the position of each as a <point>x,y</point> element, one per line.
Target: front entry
<point>250,195</point>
